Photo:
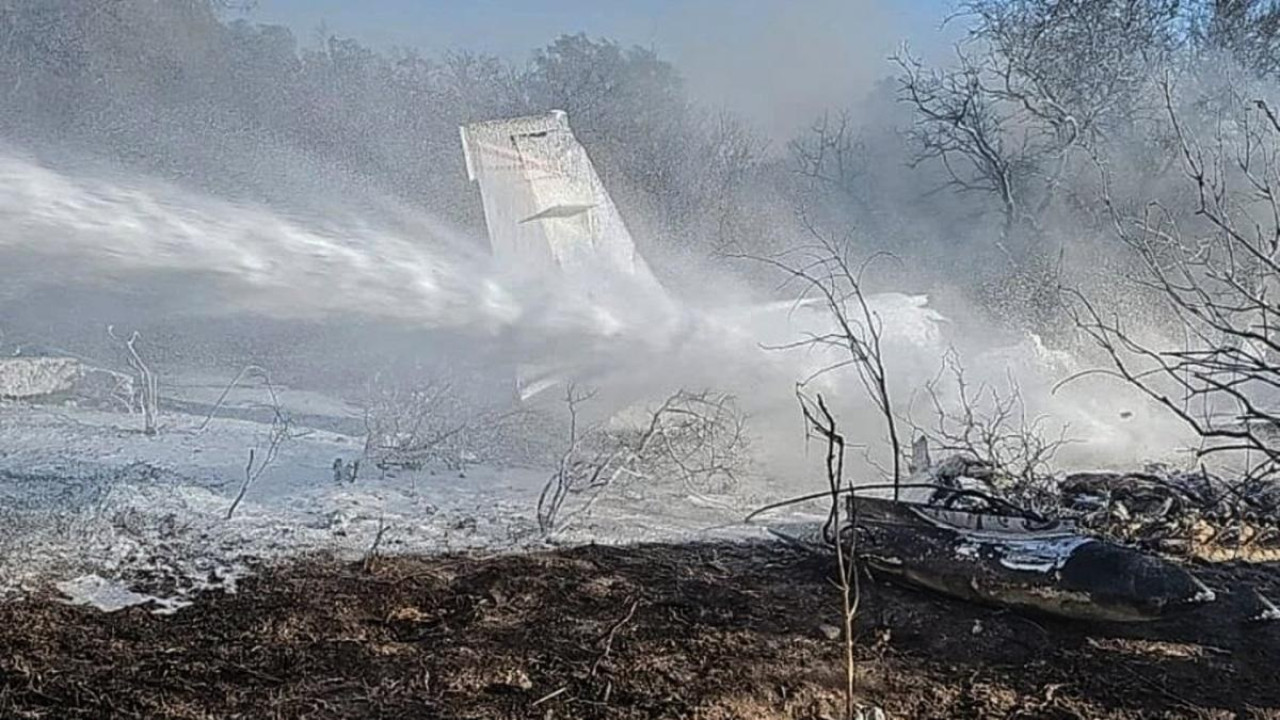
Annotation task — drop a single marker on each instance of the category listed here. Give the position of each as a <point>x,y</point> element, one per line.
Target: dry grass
<point>657,631</point>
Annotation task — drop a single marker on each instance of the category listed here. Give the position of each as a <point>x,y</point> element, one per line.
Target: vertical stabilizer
<point>546,208</point>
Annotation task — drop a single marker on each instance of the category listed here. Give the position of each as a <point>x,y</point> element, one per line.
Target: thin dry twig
<point>147,386</point>
<point>992,426</point>
<point>699,438</point>
<point>608,638</point>
<point>246,370</point>
<point>255,467</point>
<point>371,554</point>
<point>841,530</point>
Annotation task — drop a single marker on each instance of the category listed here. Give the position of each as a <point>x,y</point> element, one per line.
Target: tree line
<point>990,166</point>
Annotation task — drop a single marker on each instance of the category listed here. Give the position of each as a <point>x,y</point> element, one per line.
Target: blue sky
<point>512,27</point>
<point>777,62</point>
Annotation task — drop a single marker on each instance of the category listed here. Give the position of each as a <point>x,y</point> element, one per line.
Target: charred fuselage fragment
<point>1015,562</point>
<point>1027,564</point>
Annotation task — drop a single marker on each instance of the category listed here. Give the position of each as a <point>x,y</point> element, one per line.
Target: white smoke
<point>70,229</point>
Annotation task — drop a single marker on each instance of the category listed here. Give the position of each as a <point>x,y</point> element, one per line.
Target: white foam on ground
<point>83,491</point>
<point>85,494</point>
<point>109,595</point>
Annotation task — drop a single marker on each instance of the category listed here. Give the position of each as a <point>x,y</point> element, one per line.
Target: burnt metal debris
<point>1025,563</point>
<point>1196,516</point>
<point>1088,546</point>
<point>1187,515</point>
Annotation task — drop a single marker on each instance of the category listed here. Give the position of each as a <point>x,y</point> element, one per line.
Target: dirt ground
<point>654,631</point>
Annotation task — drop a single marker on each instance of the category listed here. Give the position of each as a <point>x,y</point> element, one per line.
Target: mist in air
<point>241,191</point>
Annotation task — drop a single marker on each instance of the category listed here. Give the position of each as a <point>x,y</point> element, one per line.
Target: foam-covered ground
<point>89,501</point>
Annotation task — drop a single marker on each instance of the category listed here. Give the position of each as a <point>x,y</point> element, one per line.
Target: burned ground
<point>654,631</point>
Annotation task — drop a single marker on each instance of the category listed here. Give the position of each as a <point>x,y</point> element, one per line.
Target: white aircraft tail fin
<point>550,218</point>
<point>546,208</point>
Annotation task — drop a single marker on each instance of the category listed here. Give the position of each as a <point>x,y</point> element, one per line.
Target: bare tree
<point>1035,87</point>
<point>445,417</point>
<point>1216,271</point>
<point>727,155</point>
<point>831,153</point>
<point>992,426</point>
<point>964,128</point>
<point>572,476</point>
<point>1248,30</point>
<point>1033,82</point>
<point>825,271</point>
<point>699,438</point>
<point>408,425</point>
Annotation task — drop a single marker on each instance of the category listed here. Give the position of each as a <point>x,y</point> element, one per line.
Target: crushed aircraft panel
<point>953,534</point>
<point>1013,562</point>
<point>1052,568</point>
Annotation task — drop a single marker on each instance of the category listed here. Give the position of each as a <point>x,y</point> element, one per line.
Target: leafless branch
<point>1216,272</point>
<point>699,438</point>
<point>825,271</point>
<point>842,530</point>
<point>244,372</point>
<point>280,431</point>
<point>146,386</point>
<point>410,424</point>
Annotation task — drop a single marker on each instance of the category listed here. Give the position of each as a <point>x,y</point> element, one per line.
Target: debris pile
<point>1191,515</point>
<point>1188,515</point>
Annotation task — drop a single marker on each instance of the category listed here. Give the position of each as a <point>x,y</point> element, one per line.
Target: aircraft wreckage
<point>995,557</point>
<point>953,534</point>
<point>547,211</point>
